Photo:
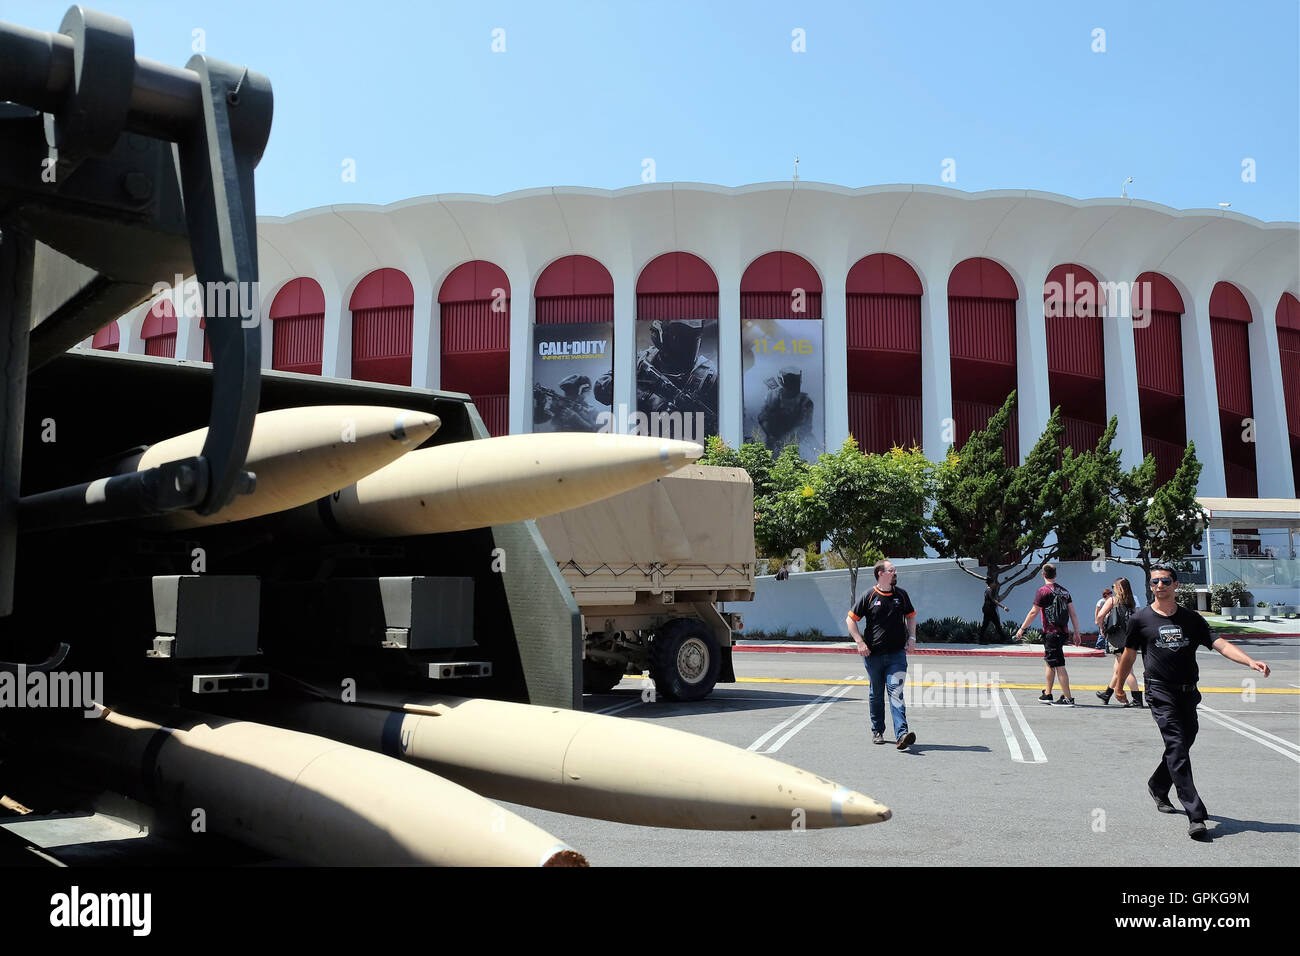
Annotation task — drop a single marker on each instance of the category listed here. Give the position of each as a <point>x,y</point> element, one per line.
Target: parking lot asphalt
<point>995,777</point>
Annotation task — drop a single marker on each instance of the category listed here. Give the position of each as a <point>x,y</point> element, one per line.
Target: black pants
<point>1175,714</point>
<point>991,621</point>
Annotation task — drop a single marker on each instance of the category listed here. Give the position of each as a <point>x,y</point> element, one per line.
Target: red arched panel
<point>159,331</point>
<point>981,278</point>
<point>1230,340</point>
<point>882,274</point>
<point>574,289</point>
<point>1163,292</point>
<point>1227,302</point>
<point>107,339</point>
<point>297,317</point>
<point>768,288</point>
<point>383,289</point>
<point>878,422</point>
<point>677,285</point>
<point>383,316</point>
<point>1072,304</point>
<point>1159,347</point>
<point>474,304</point>
<point>474,282</point>
<point>1288,346</point>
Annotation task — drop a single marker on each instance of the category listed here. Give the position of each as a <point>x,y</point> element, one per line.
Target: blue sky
<point>584,93</point>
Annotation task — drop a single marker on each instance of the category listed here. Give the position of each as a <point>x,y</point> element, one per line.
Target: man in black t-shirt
<point>1168,636</point>
<point>890,633</point>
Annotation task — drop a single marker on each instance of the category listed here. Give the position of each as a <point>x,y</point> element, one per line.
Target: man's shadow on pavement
<point>1226,826</point>
<point>920,750</point>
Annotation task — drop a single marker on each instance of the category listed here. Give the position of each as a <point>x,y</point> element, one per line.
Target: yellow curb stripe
<point>826,682</point>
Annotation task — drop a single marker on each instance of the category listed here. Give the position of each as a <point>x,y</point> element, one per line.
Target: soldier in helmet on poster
<point>787,413</point>
<point>568,410</point>
<point>672,375</point>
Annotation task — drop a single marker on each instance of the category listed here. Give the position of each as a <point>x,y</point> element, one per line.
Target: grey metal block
<point>206,615</point>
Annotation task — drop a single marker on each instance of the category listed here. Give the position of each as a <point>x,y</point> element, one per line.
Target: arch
<point>1287,317</point>
<point>1074,303</point>
<point>1230,318</point>
<point>1227,302</point>
<point>159,329</point>
<point>574,289</point>
<point>107,339</point>
<point>474,305</point>
<point>883,316</point>
<point>982,298</point>
<point>1158,343</point>
<point>383,316</point>
<point>677,285</point>
<point>770,285</point>
<point>297,317</point>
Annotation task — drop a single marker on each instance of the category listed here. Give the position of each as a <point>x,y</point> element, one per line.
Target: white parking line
<point>1223,720</point>
<point>808,713</point>
<point>1012,744</point>
<point>1039,756</point>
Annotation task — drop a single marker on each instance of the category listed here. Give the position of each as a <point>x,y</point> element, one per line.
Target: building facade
<point>900,314</point>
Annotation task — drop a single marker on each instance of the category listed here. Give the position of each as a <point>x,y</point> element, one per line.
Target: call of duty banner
<point>781,362</point>
<point>677,378</point>
<point>573,371</point>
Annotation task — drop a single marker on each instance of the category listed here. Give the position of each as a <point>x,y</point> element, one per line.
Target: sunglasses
<point>1156,582</point>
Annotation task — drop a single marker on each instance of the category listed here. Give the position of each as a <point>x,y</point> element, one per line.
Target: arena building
<point>897,314</point>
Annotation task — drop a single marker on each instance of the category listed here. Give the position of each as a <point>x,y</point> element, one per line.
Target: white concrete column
<point>938,429</point>
<point>522,312</point>
<point>1033,395</point>
<point>1201,395</point>
<point>189,337</point>
<point>336,349</point>
<point>624,397</point>
<point>128,333</point>
<point>1120,355</point>
<point>730,386</point>
<point>424,337</point>
<point>835,367</point>
<point>1272,439</point>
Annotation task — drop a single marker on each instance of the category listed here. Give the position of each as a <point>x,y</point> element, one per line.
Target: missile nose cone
<point>852,809</point>
<point>412,428</point>
<point>675,454</point>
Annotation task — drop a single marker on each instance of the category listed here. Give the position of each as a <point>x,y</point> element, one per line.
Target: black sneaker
<point>906,740</point>
<point>1197,831</point>
<point>1104,695</point>
<point>1065,701</point>
<point>1162,801</point>
<point>1044,698</point>
<point>877,737</point>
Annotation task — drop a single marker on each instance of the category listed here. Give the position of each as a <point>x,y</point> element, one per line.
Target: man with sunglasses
<point>1168,636</point>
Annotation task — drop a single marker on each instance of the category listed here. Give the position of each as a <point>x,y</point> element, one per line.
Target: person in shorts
<point>1059,620</point>
<point>1112,623</point>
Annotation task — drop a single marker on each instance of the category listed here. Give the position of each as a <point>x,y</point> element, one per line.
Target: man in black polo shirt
<point>890,634</point>
<point>1168,636</point>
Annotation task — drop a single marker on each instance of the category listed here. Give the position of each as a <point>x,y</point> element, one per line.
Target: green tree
<point>867,506</point>
<point>780,521</point>
<point>1015,519</point>
<point>1150,523</point>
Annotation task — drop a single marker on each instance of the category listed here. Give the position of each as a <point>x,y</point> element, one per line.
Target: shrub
<point>1185,595</point>
<point>1233,594</point>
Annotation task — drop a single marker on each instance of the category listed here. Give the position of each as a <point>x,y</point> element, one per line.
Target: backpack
<point>1117,624</point>
<point>1057,614</point>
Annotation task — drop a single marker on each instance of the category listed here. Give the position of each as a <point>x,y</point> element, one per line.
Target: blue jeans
<point>887,669</point>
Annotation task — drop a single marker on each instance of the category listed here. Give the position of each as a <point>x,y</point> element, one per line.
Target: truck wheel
<point>684,660</point>
<point>599,678</point>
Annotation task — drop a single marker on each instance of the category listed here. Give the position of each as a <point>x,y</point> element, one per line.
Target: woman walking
<point>1112,621</point>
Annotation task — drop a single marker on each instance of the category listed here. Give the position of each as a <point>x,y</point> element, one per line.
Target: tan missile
<point>588,764</point>
<point>473,484</point>
<point>301,454</point>
<point>305,798</point>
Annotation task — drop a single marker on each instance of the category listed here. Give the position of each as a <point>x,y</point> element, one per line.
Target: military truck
<point>647,569</point>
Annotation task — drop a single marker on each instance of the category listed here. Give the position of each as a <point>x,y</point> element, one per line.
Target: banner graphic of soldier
<point>677,378</point>
<point>568,361</point>
<point>781,373</point>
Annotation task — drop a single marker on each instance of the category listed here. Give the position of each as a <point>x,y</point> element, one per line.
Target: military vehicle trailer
<point>648,568</point>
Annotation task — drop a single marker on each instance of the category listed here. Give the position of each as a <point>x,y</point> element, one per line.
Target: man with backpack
<point>1057,607</point>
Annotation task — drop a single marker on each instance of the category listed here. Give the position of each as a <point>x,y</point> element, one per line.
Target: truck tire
<point>599,678</point>
<point>684,660</point>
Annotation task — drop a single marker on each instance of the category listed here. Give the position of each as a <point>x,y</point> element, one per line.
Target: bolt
<point>137,186</point>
